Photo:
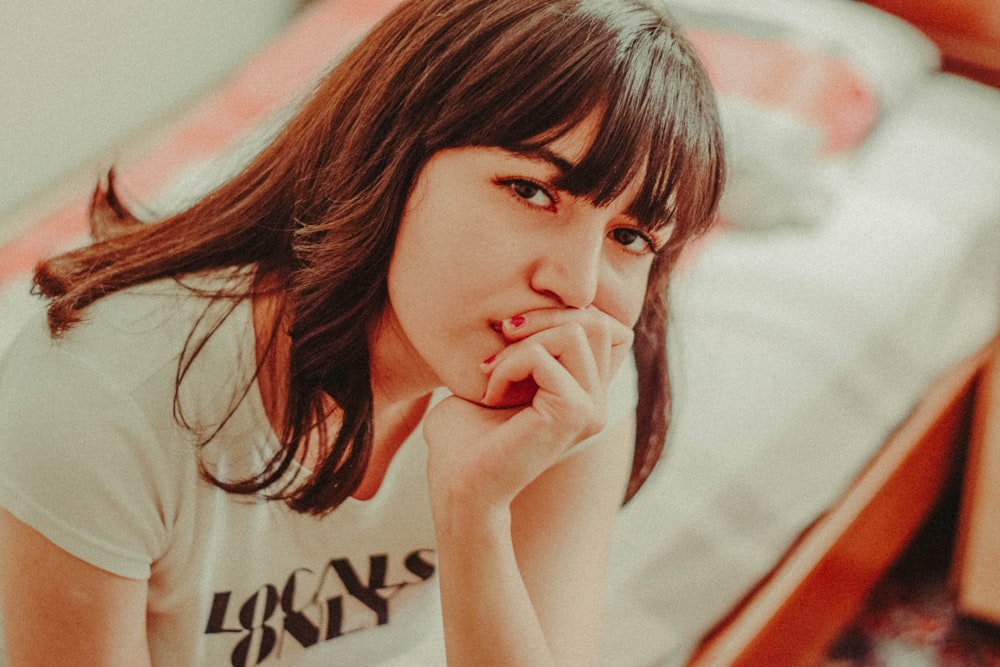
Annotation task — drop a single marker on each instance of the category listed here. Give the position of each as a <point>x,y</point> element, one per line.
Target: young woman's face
<point>487,236</point>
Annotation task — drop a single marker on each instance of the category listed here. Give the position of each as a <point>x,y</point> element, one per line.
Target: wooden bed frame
<point>976,575</point>
<point>966,31</point>
<point>823,581</point>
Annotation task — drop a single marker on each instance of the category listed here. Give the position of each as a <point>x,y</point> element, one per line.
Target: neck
<point>399,375</point>
<point>393,425</point>
<point>401,391</point>
<point>400,395</point>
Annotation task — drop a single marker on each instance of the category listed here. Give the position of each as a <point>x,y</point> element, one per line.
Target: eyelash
<point>650,245</point>
<point>513,183</point>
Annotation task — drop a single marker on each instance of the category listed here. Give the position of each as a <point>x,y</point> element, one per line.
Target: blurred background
<point>90,79</point>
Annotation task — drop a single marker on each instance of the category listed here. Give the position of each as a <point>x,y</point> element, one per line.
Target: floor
<point>911,619</point>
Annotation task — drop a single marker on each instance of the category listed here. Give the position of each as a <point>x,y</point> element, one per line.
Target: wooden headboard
<point>966,31</point>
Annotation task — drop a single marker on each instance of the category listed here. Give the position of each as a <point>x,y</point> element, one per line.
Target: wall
<point>77,79</point>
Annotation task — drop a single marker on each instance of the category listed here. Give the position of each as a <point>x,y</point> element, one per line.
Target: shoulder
<point>158,319</point>
<point>134,359</point>
<point>127,335</point>
<point>89,427</point>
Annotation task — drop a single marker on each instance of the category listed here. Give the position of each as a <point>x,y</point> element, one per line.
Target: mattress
<point>796,350</point>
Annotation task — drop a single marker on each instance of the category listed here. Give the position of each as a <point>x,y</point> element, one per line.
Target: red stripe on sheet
<point>820,89</point>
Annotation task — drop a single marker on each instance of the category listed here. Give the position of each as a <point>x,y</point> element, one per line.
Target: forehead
<point>573,145</point>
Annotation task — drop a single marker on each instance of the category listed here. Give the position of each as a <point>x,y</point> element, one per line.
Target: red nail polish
<point>517,321</point>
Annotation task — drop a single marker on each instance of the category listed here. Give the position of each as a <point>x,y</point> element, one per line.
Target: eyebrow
<point>565,166</point>
<point>544,154</point>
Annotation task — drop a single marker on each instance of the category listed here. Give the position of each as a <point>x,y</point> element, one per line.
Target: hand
<point>546,391</point>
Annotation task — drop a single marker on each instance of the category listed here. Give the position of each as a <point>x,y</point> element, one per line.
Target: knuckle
<point>627,336</point>
<point>594,425</point>
<point>589,418</point>
<point>537,353</point>
<point>577,331</point>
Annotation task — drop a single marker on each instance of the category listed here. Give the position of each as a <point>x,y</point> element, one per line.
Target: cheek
<point>427,252</point>
<point>635,302</point>
<point>623,295</point>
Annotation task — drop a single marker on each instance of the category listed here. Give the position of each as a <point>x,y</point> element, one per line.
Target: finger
<point>527,324</point>
<point>564,405</point>
<point>609,339</point>
<point>566,345</point>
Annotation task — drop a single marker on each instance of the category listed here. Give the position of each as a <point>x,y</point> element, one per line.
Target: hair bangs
<point>521,87</point>
<point>658,122</point>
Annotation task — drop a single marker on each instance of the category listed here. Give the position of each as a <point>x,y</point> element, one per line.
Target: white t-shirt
<point>94,458</point>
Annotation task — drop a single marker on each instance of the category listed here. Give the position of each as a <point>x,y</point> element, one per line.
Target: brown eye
<point>530,192</point>
<point>633,240</point>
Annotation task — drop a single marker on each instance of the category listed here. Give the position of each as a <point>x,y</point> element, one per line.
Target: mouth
<point>502,340</point>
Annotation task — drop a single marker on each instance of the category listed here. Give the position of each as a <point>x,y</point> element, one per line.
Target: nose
<point>569,268</point>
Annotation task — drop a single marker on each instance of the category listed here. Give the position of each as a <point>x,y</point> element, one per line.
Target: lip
<point>497,327</point>
<point>502,340</point>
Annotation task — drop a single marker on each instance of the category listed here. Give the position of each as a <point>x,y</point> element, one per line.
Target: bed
<point>826,353</point>
<point>827,336</point>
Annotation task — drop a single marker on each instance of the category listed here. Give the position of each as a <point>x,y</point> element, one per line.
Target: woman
<point>379,364</point>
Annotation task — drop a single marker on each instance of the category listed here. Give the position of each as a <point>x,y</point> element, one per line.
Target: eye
<point>530,193</point>
<point>633,240</point>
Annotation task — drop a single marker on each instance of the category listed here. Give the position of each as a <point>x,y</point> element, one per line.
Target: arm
<point>527,586</point>
<point>523,529</point>
<point>562,526</point>
<point>60,610</point>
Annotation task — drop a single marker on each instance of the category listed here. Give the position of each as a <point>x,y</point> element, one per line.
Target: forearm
<point>488,615</point>
<point>522,519</point>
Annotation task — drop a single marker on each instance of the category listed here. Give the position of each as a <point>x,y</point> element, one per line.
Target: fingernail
<point>517,321</point>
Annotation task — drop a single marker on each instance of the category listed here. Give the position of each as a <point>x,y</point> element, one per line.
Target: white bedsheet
<point>796,351</point>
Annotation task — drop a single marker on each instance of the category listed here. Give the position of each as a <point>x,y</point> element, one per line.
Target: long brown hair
<point>317,211</point>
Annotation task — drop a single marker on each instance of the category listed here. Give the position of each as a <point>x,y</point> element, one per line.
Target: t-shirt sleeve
<point>76,458</point>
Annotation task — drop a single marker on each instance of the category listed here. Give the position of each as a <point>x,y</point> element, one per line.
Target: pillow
<point>801,85</point>
<point>777,174</point>
<point>820,89</point>
<point>786,112</point>
<point>888,53</point>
